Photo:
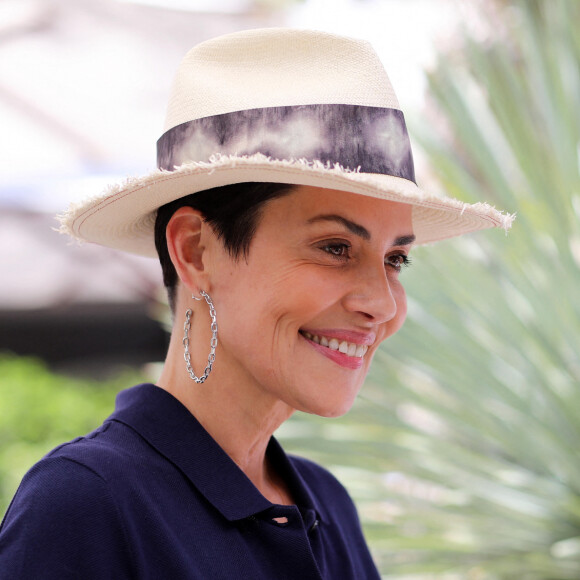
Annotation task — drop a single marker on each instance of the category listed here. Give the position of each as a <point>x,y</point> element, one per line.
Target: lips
<point>351,349</point>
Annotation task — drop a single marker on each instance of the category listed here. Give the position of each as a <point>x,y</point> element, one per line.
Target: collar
<point>168,426</point>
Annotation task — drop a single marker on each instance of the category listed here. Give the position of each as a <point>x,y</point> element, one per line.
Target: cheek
<point>267,302</point>
<point>296,292</point>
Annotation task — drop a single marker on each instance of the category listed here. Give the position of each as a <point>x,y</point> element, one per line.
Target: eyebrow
<point>359,230</point>
<point>405,240</point>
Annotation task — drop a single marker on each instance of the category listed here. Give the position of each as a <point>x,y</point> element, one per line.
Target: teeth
<point>348,348</point>
<point>361,350</point>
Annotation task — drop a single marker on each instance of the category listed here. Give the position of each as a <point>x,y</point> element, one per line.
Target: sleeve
<point>63,523</point>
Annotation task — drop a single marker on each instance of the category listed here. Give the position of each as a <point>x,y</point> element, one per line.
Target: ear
<point>186,242</point>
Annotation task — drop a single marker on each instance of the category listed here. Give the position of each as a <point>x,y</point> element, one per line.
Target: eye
<point>398,261</point>
<point>337,249</point>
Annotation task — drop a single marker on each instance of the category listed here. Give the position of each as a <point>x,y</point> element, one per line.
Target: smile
<point>348,348</point>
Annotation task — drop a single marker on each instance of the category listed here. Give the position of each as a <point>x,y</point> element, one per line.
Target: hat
<point>277,105</point>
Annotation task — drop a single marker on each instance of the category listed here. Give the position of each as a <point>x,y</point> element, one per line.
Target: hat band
<point>365,139</point>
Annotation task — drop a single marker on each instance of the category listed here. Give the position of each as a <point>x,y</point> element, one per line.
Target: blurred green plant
<point>40,410</point>
<point>463,451</point>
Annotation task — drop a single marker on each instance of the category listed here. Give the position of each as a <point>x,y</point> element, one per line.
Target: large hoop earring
<point>213,342</point>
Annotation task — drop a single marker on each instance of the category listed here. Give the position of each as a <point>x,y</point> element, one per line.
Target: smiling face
<point>302,317</point>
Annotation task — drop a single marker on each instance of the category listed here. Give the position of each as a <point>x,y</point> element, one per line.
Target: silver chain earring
<point>213,342</point>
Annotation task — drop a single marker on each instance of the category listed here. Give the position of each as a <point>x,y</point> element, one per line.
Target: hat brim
<point>123,217</point>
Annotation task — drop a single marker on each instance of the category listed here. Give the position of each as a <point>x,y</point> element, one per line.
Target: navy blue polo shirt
<point>150,494</point>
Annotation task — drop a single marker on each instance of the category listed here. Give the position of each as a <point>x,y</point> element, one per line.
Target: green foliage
<point>39,410</point>
<point>470,421</point>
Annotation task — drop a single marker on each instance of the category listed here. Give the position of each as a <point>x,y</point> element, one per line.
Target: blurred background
<point>462,451</point>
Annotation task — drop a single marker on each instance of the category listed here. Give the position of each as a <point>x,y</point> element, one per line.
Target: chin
<point>328,409</point>
<point>335,413</point>
<point>334,399</point>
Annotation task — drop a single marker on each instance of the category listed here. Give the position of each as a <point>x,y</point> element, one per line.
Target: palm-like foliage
<point>464,452</point>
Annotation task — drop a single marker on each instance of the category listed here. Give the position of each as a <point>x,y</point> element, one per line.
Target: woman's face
<point>302,317</point>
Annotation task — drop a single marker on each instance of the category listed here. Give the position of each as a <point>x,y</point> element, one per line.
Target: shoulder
<point>71,477</point>
<point>81,476</point>
<point>111,452</point>
<point>323,485</point>
<point>59,484</point>
<point>63,522</point>
<point>314,473</point>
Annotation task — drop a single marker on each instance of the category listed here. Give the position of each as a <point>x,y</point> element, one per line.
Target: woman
<point>283,214</point>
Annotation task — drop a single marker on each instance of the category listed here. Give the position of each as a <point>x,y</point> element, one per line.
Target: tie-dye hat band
<point>283,106</point>
<point>363,139</point>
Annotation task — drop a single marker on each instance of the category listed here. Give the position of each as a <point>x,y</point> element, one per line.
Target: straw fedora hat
<point>277,105</point>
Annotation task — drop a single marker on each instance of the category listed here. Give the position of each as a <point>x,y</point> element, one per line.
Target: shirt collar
<point>168,426</point>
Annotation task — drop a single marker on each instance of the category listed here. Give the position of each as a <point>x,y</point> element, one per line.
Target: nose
<point>372,295</point>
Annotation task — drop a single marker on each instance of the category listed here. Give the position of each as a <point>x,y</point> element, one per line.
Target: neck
<point>238,415</point>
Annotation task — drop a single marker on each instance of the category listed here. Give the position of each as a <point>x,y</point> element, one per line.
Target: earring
<point>213,342</point>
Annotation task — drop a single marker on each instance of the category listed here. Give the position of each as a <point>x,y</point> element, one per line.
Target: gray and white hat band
<point>359,138</point>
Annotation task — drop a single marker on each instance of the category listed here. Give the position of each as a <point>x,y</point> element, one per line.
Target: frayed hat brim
<point>123,216</point>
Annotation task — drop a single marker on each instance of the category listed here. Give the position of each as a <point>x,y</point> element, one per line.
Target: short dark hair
<point>233,212</point>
